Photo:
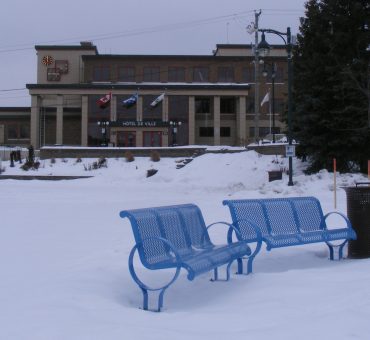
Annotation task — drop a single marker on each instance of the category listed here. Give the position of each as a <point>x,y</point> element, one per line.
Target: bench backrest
<point>182,225</point>
<point>277,216</point>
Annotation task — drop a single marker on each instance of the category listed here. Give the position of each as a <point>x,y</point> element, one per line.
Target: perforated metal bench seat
<point>177,237</point>
<point>288,222</point>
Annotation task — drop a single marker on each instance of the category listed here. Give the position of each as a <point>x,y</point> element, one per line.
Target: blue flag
<point>130,101</point>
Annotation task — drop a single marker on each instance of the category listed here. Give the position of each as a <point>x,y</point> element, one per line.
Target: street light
<point>174,125</point>
<point>273,75</point>
<point>264,49</point>
<point>104,126</point>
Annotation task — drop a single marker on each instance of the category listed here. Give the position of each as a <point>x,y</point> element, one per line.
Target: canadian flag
<point>103,102</point>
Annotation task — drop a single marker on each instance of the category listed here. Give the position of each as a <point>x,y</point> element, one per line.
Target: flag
<point>157,100</point>
<point>103,102</point>
<point>127,103</point>
<point>266,98</point>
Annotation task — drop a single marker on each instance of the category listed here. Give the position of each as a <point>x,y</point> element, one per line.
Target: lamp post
<point>104,126</point>
<point>264,49</point>
<point>174,125</point>
<point>273,75</point>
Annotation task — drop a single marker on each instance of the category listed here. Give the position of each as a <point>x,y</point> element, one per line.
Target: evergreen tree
<point>331,84</point>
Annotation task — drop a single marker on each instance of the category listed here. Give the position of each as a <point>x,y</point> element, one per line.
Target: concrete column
<point>216,120</point>
<point>139,109</point>
<point>192,131</point>
<point>113,109</point>
<point>241,136</point>
<point>84,120</point>
<point>35,121</point>
<point>59,132</point>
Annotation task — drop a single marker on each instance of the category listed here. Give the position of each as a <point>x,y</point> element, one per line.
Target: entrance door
<point>126,138</point>
<point>152,138</point>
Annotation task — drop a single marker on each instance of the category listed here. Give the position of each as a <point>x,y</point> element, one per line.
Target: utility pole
<point>256,77</point>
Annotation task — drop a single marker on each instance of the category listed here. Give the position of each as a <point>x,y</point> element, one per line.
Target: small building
<point>202,99</point>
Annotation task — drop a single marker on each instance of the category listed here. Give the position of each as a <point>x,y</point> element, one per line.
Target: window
<point>280,106</point>
<point>200,74</point>
<point>206,131</point>
<point>225,131</point>
<point>249,105</point>
<point>248,74</point>
<point>151,74</point>
<point>62,66</point>
<point>151,113</point>
<point>178,108</point>
<point>279,74</point>
<point>225,74</point>
<point>202,105</point>
<point>126,74</point>
<point>18,130</point>
<point>176,74</point>
<point>227,105</point>
<point>101,73</point>
<point>53,74</point>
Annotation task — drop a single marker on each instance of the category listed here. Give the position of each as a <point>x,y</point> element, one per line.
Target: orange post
<point>335,182</point>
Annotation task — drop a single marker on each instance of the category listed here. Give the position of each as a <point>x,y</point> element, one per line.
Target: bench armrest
<point>349,225</point>
<point>131,262</point>
<point>255,228</point>
<point>232,229</point>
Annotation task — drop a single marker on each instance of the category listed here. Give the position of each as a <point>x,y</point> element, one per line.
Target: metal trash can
<point>358,211</point>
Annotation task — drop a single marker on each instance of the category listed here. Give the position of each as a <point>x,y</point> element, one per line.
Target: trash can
<point>358,211</point>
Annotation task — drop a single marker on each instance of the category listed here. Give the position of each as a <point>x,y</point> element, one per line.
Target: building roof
<point>15,109</point>
<point>134,86</point>
<point>84,45</point>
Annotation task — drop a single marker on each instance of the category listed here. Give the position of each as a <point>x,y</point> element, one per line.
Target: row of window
<point>225,74</point>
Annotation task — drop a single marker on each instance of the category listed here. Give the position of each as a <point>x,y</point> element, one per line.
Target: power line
<point>19,89</point>
<point>129,33</point>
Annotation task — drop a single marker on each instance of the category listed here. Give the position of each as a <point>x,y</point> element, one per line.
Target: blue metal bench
<point>177,237</point>
<point>286,222</point>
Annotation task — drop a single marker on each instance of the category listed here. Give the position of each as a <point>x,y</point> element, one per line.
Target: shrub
<point>129,156</point>
<point>52,161</point>
<point>30,165</point>
<point>100,163</point>
<point>154,156</point>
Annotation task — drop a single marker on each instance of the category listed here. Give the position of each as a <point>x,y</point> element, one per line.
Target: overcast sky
<point>127,27</point>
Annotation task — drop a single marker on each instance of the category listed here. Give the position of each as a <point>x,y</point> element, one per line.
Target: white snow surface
<point>64,252</point>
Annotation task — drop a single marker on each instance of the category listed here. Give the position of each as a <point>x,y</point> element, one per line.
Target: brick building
<point>209,99</point>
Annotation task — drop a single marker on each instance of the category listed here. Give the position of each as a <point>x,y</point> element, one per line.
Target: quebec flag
<point>156,101</point>
<point>127,103</point>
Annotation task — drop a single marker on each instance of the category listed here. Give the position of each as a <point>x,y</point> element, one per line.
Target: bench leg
<point>215,273</point>
<point>249,266</point>
<point>145,288</point>
<point>333,249</point>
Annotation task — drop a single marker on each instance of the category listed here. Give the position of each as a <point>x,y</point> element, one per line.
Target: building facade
<point>208,99</point>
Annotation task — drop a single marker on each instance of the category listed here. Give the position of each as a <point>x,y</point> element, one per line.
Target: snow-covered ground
<point>64,250</point>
